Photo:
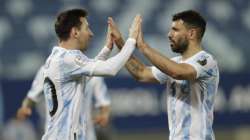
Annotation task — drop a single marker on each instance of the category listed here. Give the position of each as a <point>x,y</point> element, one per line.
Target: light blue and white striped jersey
<point>64,88</point>
<point>65,73</point>
<point>190,103</point>
<point>95,88</point>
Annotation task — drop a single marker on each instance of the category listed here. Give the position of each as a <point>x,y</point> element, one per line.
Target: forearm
<point>133,65</point>
<point>135,68</point>
<point>103,54</point>
<point>119,43</point>
<point>163,63</point>
<point>112,65</point>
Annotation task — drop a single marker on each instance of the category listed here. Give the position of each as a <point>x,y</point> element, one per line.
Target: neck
<point>192,49</point>
<point>69,44</point>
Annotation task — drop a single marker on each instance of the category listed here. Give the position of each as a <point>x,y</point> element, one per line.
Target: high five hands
<point>135,31</point>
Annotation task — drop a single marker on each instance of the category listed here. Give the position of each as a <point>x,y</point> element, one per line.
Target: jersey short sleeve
<point>204,64</point>
<point>159,76</point>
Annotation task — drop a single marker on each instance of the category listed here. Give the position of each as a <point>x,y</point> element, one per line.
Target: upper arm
<point>185,72</point>
<point>36,89</point>
<point>203,66</point>
<point>77,65</point>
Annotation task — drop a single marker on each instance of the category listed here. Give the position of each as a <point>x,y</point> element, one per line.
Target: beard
<point>180,46</point>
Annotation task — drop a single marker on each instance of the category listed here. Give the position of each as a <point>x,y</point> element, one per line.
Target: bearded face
<point>179,45</point>
<point>178,37</point>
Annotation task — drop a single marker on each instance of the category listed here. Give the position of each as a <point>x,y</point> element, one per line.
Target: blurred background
<point>138,110</point>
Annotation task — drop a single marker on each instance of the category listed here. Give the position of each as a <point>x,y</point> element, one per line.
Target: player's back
<point>64,94</point>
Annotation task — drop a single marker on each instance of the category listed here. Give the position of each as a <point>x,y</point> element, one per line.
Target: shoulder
<point>205,59</point>
<point>205,64</point>
<point>75,57</point>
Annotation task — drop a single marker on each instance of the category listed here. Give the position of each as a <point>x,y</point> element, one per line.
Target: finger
<point>109,30</point>
<point>111,21</point>
<point>136,21</point>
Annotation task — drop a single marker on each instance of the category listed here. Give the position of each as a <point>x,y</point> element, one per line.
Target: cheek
<point>180,36</point>
<point>84,35</point>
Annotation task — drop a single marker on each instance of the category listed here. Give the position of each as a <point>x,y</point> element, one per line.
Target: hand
<point>135,27</point>
<point>115,32</point>
<point>140,39</point>
<point>109,40</point>
<point>102,119</point>
<point>23,113</point>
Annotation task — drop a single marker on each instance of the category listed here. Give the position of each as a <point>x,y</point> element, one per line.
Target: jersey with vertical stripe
<point>95,88</point>
<point>63,89</point>
<point>65,78</point>
<point>190,103</point>
<point>64,86</point>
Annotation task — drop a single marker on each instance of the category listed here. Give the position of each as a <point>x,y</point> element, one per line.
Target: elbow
<point>113,72</point>
<point>176,75</point>
<point>140,78</point>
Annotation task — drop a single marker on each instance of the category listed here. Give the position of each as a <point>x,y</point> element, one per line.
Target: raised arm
<point>136,68</point>
<point>106,50</point>
<point>83,66</point>
<point>112,65</point>
<point>175,70</point>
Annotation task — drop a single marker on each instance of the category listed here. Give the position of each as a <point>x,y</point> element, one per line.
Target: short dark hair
<point>66,20</point>
<point>192,19</point>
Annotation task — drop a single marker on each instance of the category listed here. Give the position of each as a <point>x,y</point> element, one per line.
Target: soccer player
<point>66,71</point>
<point>96,88</point>
<point>191,78</point>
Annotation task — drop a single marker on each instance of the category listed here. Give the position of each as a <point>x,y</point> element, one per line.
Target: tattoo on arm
<point>135,67</point>
<point>119,42</point>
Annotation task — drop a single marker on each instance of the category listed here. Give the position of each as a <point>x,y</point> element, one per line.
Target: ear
<point>74,32</point>
<point>192,33</point>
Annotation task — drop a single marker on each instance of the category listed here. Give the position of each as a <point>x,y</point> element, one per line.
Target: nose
<point>169,35</point>
<point>91,34</point>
